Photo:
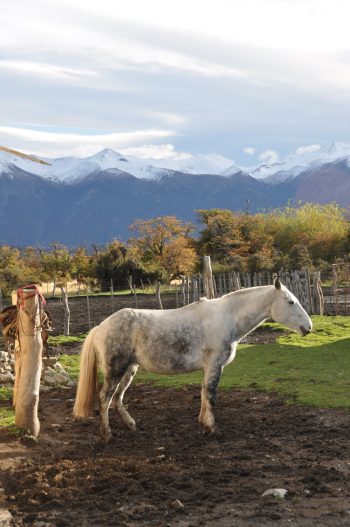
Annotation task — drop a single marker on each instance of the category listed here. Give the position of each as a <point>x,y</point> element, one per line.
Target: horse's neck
<point>250,309</point>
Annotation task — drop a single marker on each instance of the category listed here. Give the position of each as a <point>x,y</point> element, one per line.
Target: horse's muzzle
<point>304,331</point>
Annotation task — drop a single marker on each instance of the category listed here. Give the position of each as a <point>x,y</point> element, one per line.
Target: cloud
<point>166,151</point>
<point>307,149</point>
<point>59,143</point>
<point>269,156</point>
<point>249,150</point>
<point>46,70</point>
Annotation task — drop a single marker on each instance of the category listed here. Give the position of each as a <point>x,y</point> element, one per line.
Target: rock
<point>44,388</point>
<point>3,355</point>
<point>6,377</point>
<point>61,379</point>
<point>5,518</point>
<point>71,384</point>
<point>277,493</point>
<point>49,379</point>
<point>177,504</point>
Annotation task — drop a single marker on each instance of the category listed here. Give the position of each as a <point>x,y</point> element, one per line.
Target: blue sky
<point>251,80</point>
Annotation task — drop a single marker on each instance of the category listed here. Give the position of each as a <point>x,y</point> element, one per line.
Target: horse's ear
<point>277,283</point>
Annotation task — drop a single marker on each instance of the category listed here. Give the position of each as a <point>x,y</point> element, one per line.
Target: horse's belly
<point>167,363</point>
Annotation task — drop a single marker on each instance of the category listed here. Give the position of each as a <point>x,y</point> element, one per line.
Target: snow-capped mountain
<point>73,169</point>
<point>302,160</point>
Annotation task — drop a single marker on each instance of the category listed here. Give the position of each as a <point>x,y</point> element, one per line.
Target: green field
<point>312,370</point>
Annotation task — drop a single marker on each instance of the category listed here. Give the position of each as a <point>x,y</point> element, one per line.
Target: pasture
<point>283,422</point>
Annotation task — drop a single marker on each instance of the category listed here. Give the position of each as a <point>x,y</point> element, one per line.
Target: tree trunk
<point>28,361</point>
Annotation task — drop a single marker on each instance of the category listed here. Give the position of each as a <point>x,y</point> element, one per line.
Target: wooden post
<point>308,291</point>
<point>317,293</point>
<point>64,301</point>
<point>208,278</point>
<point>88,308</point>
<point>159,300</point>
<point>112,296</point>
<point>29,349</point>
<point>187,290</point>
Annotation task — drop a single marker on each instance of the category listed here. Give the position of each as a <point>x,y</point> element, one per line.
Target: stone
<point>49,379</point>
<point>71,384</point>
<point>5,518</point>
<point>3,355</point>
<point>60,379</point>
<point>44,388</point>
<point>177,504</point>
<point>6,377</point>
<point>276,493</point>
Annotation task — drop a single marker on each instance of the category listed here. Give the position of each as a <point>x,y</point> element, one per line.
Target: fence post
<point>208,278</point>
<point>88,308</point>
<point>317,293</point>
<point>159,300</point>
<point>64,301</point>
<point>29,347</point>
<point>112,296</point>
<point>308,291</point>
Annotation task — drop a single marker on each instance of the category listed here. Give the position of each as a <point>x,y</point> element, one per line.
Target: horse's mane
<point>239,292</point>
<point>245,291</point>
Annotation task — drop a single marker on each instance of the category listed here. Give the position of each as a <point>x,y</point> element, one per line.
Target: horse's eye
<point>291,302</point>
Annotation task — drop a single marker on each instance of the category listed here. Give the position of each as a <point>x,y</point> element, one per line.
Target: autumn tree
<point>81,264</point>
<point>11,269</point>
<point>164,245</point>
<point>117,262</point>
<point>57,264</point>
<point>221,237</point>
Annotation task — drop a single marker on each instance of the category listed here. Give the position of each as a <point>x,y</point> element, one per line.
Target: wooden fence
<point>304,285</point>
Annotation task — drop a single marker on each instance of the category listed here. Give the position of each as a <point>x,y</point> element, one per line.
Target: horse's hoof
<point>106,438</point>
<point>208,430</point>
<point>132,426</point>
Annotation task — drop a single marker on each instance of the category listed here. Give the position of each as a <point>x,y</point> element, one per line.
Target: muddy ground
<point>70,479</point>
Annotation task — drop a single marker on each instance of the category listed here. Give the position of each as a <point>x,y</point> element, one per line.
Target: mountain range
<point>94,199</point>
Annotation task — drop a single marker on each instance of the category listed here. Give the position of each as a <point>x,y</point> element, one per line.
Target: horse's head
<point>286,309</point>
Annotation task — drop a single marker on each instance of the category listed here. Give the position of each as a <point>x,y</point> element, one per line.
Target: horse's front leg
<point>210,383</point>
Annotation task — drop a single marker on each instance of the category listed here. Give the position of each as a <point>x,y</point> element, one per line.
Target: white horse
<point>203,335</point>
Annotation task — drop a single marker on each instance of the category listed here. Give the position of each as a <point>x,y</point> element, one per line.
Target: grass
<point>313,370</point>
<point>7,413</point>
<point>61,340</point>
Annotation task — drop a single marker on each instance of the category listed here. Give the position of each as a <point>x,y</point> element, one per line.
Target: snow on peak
<point>197,164</point>
<point>302,159</point>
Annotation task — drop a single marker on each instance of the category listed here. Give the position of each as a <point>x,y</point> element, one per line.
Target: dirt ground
<point>70,479</point>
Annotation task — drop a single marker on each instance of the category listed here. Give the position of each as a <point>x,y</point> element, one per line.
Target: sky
<point>252,80</point>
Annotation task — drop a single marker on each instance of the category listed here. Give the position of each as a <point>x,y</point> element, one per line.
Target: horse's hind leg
<point>210,383</point>
<point>118,404</point>
<point>105,398</point>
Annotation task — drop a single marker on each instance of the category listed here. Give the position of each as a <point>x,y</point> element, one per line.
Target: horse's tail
<point>84,401</point>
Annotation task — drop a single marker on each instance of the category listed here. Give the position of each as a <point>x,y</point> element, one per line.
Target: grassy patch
<point>71,364</point>
<point>61,340</point>
<point>5,394</point>
<point>7,419</point>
